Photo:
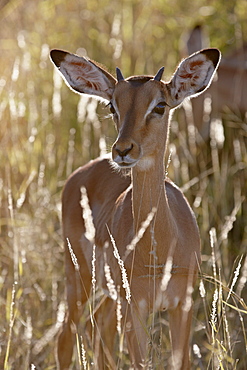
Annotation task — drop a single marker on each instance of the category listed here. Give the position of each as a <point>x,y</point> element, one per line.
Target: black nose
<point>124,152</point>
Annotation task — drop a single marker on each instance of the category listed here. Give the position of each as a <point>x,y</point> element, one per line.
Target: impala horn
<point>120,77</point>
<point>159,74</point>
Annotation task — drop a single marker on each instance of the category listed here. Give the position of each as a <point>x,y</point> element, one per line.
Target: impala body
<point>163,262</point>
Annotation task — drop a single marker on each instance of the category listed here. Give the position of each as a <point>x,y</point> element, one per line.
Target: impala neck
<point>148,193</point>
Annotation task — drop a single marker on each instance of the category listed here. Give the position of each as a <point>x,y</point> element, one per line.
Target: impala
<point>161,259</point>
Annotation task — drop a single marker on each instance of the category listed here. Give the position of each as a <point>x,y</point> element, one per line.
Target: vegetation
<point>47,132</point>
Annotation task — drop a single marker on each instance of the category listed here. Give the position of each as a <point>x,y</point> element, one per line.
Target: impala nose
<point>123,152</point>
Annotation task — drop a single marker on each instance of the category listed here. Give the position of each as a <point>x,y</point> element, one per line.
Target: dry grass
<point>46,132</point>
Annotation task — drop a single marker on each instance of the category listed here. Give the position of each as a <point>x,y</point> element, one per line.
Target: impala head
<point>141,104</point>
<point>140,110</point>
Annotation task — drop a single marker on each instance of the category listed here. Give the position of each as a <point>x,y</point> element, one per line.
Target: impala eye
<point>160,108</point>
<point>112,109</point>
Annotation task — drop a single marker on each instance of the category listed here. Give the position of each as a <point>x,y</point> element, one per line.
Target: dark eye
<point>112,110</point>
<point>160,108</point>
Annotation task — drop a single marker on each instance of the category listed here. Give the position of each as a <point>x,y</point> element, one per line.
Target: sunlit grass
<point>46,132</point>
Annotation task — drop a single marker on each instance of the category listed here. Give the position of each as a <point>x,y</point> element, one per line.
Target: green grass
<point>41,144</point>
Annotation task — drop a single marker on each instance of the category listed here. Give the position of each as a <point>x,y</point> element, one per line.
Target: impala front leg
<point>66,337</point>
<point>180,323</point>
<point>136,333</point>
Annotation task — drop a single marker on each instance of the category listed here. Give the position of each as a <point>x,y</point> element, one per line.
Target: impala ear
<point>84,75</point>
<point>193,75</point>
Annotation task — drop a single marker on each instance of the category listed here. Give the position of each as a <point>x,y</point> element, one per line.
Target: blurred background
<point>46,132</point>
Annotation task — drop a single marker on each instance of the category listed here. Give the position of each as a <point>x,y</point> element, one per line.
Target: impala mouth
<point>125,162</point>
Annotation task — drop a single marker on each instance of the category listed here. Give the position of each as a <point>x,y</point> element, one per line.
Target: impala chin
<point>117,167</point>
<point>126,165</point>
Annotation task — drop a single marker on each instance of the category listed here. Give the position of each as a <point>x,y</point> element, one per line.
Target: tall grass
<point>46,132</point>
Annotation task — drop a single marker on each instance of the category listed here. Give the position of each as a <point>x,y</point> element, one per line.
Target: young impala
<point>162,264</point>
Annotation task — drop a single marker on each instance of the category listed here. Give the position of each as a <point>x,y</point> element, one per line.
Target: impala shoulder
<point>176,199</point>
<point>172,189</point>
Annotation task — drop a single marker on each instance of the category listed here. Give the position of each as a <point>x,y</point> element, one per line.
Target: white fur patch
<point>145,163</point>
